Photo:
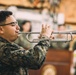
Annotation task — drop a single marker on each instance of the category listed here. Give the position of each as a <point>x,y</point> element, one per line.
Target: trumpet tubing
<point>54,40</point>
<point>55,32</point>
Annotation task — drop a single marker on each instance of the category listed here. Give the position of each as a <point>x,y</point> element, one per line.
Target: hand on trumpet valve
<point>46,31</point>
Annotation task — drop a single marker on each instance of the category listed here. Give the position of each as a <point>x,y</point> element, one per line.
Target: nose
<point>17,27</point>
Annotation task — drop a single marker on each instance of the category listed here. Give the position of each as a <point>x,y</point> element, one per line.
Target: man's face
<point>10,31</point>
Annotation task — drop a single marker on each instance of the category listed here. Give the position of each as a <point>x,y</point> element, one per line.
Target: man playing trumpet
<point>15,60</point>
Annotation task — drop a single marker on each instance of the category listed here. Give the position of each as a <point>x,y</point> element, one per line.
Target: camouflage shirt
<point>14,60</point>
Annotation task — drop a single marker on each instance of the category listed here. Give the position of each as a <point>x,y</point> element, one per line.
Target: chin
<point>14,39</point>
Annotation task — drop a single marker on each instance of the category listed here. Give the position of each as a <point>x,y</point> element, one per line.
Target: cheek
<point>10,31</point>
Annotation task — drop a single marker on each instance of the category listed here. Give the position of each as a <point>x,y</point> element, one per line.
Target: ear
<point>1,30</point>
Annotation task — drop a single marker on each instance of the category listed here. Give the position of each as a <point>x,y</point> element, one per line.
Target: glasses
<point>12,23</point>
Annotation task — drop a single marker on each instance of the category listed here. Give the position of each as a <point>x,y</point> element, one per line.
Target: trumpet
<point>52,40</point>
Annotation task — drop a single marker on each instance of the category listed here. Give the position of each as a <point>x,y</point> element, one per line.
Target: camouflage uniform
<point>14,60</point>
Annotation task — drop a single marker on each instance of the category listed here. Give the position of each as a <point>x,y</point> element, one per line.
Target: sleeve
<point>32,59</point>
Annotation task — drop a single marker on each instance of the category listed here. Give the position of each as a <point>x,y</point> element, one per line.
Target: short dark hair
<point>3,15</point>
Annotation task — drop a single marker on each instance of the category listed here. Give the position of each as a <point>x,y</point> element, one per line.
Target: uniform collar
<point>4,40</point>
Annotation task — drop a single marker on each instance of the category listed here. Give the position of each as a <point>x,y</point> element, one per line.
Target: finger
<point>52,37</point>
<point>46,26</point>
<point>52,32</point>
<point>49,26</point>
<point>43,26</point>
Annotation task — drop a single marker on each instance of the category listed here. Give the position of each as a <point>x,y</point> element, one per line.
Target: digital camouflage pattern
<point>14,60</point>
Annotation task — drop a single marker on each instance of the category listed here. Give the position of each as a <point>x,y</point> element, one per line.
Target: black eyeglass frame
<point>12,23</point>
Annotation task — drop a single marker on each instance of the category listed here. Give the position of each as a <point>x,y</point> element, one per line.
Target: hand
<point>46,31</point>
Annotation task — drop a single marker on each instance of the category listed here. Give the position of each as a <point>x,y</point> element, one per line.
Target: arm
<point>14,55</point>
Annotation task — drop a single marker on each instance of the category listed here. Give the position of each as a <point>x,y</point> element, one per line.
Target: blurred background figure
<point>49,70</point>
<point>60,45</point>
<point>73,45</point>
<point>25,27</point>
<point>61,28</point>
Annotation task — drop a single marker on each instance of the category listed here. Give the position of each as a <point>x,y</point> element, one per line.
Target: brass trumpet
<point>52,40</point>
